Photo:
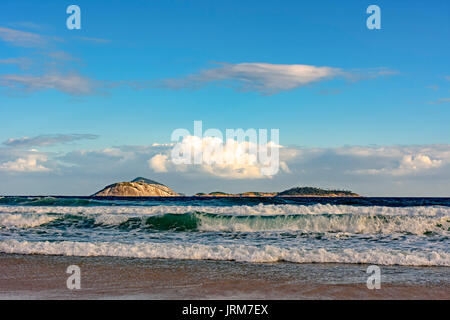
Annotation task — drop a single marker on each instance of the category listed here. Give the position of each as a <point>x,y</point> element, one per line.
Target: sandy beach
<point>44,277</point>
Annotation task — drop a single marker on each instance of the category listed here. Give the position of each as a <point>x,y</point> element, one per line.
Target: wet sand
<point>44,277</point>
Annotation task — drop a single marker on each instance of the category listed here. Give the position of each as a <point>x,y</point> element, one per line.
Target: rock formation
<point>139,187</point>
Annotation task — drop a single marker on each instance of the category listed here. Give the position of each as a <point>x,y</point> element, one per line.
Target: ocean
<point>224,248</point>
<point>381,231</point>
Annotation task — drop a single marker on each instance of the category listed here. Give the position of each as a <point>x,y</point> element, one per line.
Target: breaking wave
<point>233,252</point>
<point>260,209</point>
<point>210,222</point>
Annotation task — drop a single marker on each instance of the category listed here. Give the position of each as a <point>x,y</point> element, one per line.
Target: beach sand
<point>44,277</point>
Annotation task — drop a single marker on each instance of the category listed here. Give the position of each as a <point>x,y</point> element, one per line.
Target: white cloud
<point>269,78</point>
<point>348,161</point>
<point>61,55</point>
<point>407,165</point>
<point>394,160</point>
<point>28,163</point>
<point>229,160</point>
<point>73,84</point>
<point>158,163</point>
<point>418,162</point>
<point>263,77</point>
<point>22,38</point>
<point>163,145</point>
<point>47,140</point>
<point>22,62</point>
<point>421,170</point>
<point>117,153</point>
<point>94,40</point>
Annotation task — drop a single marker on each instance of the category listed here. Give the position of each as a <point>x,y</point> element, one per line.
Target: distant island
<point>142,187</point>
<point>293,192</point>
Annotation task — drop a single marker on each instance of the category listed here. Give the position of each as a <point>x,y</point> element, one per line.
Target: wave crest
<point>260,209</point>
<point>211,222</point>
<point>234,252</point>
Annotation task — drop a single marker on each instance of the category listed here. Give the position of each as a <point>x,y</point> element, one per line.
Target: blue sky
<point>137,70</point>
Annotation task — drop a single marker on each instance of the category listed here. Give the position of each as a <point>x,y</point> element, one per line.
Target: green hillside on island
<point>293,192</point>
<point>309,191</point>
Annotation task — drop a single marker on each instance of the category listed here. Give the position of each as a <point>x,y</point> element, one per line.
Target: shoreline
<point>44,277</point>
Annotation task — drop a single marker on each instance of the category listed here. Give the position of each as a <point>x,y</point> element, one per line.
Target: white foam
<point>110,219</point>
<point>24,220</point>
<point>267,253</point>
<point>316,218</point>
<point>260,209</point>
<point>354,224</point>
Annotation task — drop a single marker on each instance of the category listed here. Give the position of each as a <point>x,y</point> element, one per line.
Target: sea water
<point>382,231</point>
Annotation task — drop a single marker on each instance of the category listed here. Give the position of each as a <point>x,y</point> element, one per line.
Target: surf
<point>198,221</point>
<point>228,252</point>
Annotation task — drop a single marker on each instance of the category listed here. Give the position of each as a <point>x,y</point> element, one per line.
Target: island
<point>293,192</point>
<point>139,187</point>
<point>316,192</point>
<point>243,194</point>
<point>142,187</point>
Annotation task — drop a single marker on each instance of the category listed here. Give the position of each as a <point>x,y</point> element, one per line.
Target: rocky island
<point>139,187</point>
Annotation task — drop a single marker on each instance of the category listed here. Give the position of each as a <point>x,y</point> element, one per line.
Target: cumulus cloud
<point>409,163</point>
<point>269,78</point>
<point>211,155</point>
<point>418,162</point>
<point>71,83</point>
<point>28,163</point>
<point>159,162</point>
<point>47,140</point>
<point>415,170</point>
<point>380,160</point>
<point>234,161</point>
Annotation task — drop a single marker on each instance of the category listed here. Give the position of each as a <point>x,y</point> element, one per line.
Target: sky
<point>361,109</point>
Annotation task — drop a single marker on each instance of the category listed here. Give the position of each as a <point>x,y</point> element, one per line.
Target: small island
<point>142,187</point>
<point>293,192</point>
<point>316,192</point>
<point>244,194</point>
<point>139,187</point>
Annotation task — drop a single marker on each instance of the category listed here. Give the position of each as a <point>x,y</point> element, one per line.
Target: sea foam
<point>260,209</point>
<point>234,252</point>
